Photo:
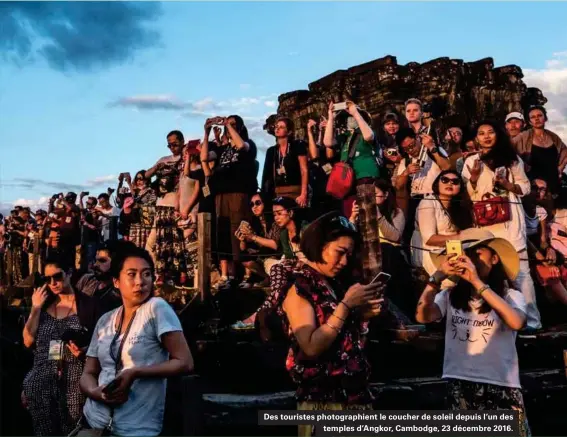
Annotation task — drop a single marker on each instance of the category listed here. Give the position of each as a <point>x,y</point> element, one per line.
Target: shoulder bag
<point>342,177</point>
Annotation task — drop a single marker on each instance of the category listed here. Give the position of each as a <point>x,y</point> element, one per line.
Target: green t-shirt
<point>364,160</point>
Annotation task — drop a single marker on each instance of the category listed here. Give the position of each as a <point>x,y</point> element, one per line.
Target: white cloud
<point>149,102</point>
<point>99,180</point>
<point>552,81</point>
<point>270,103</point>
<point>33,204</point>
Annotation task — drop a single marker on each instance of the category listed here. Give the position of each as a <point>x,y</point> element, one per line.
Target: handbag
<point>558,238</point>
<point>492,210</point>
<point>548,275</point>
<point>290,191</point>
<point>342,177</point>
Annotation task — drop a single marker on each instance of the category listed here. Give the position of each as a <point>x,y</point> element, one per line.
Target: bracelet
<point>349,308</point>
<point>333,327</point>
<point>340,318</point>
<point>482,289</point>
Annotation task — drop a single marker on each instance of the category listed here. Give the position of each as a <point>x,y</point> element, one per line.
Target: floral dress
<point>341,374</point>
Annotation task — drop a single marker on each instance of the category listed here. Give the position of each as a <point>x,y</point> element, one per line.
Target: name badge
<point>281,171</point>
<point>68,220</point>
<point>206,191</point>
<point>55,350</point>
<point>327,168</point>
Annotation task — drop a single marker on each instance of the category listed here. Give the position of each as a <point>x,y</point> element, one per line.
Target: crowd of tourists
<point>356,222</point>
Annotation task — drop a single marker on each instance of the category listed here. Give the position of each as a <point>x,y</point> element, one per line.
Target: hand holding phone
<point>381,278</point>
<point>111,386</point>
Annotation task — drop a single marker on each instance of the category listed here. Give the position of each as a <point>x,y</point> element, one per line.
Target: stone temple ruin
<point>458,93</point>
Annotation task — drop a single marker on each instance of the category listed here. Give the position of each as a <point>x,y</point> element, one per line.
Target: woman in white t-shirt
<point>133,350</point>
<point>482,319</point>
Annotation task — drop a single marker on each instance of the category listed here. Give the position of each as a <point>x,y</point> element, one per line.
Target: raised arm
<point>329,137</point>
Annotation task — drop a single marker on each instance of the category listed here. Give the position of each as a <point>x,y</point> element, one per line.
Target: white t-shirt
<point>422,182</point>
<point>480,347</point>
<point>112,211</point>
<point>142,414</point>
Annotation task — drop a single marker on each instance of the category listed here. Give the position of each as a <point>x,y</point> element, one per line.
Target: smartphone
<point>339,106</point>
<point>454,248</point>
<point>500,172</point>
<point>381,278</point>
<point>110,387</point>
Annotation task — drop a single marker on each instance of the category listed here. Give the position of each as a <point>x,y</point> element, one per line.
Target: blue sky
<point>75,118</point>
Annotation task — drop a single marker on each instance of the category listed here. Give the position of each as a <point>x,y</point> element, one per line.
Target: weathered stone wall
<point>461,93</point>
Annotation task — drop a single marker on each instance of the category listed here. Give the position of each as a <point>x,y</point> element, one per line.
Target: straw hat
<point>503,248</point>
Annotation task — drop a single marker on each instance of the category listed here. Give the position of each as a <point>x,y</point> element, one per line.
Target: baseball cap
<point>513,115</point>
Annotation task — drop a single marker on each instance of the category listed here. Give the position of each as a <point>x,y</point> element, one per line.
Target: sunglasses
<point>56,277</point>
<point>391,152</point>
<point>452,181</point>
<point>343,221</point>
<point>256,203</point>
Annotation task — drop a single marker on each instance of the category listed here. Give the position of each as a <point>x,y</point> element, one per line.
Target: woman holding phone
<point>327,321</point>
<point>60,321</point>
<point>133,350</point>
<point>498,171</point>
<point>482,316</point>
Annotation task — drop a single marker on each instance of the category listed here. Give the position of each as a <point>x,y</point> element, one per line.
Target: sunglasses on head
<point>256,203</point>
<point>56,277</point>
<point>452,181</point>
<point>343,221</point>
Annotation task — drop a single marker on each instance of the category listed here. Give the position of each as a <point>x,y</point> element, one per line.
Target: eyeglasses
<point>256,203</point>
<point>56,277</point>
<point>452,181</point>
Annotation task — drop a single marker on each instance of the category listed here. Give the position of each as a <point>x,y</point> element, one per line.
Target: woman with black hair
<point>327,321</point>
<point>235,180</point>
<point>50,389</point>
<point>286,219</point>
<point>133,350</point>
<point>498,171</point>
<point>262,225</point>
<point>544,153</point>
<point>139,210</point>
<point>482,316</point>
<point>440,217</point>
